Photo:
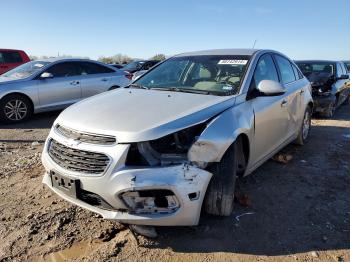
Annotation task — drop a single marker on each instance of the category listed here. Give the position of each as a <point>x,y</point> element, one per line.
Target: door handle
<point>284,103</point>
<point>74,83</point>
<point>104,79</point>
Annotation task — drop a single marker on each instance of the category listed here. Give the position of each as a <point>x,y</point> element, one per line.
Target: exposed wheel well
<point>20,94</point>
<point>311,105</point>
<point>245,147</point>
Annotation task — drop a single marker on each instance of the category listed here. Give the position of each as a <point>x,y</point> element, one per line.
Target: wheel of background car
<point>305,127</point>
<point>15,108</point>
<point>113,87</point>
<point>330,110</point>
<point>220,193</point>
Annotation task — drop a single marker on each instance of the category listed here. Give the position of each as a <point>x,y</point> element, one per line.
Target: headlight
<point>168,150</point>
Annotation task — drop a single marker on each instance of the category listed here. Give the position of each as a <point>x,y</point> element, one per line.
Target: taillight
<point>129,76</point>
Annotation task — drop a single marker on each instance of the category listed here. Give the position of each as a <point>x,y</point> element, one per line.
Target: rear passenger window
<point>10,57</point>
<point>92,68</point>
<point>265,70</point>
<point>286,70</point>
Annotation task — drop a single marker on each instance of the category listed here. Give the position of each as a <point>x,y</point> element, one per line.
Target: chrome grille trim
<point>77,160</point>
<point>85,137</point>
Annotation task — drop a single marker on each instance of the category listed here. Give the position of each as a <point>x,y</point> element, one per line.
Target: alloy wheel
<point>15,110</point>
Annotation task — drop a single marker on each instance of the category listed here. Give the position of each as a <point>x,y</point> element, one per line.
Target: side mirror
<point>271,88</point>
<point>343,77</point>
<point>46,75</point>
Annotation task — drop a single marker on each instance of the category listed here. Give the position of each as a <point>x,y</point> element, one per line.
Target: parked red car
<point>10,58</point>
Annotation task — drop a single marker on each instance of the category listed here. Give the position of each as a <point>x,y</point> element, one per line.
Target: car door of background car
<point>344,89</point>
<point>63,89</point>
<point>271,112</point>
<point>339,86</point>
<point>294,93</point>
<point>95,78</point>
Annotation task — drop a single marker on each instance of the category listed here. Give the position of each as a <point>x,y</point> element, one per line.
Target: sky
<point>301,29</point>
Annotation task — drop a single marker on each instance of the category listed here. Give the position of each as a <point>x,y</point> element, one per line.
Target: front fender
<point>221,132</point>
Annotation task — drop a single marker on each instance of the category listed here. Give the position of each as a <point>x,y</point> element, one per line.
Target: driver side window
<point>265,70</point>
<point>64,69</point>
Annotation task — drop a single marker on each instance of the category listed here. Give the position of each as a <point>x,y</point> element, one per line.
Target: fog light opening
<point>151,201</point>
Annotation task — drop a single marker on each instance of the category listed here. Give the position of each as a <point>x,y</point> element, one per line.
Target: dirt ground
<point>299,211</point>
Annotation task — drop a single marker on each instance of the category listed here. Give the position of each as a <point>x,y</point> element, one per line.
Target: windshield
<point>317,69</point>
<point>133,65</point>
<point>215,74</point>
<point>26,69</point>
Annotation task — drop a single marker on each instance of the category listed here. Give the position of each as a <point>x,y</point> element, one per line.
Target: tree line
<point>115,59</point>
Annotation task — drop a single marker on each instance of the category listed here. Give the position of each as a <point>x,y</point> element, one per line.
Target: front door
<point>63,89</point>
<point>271,113</point>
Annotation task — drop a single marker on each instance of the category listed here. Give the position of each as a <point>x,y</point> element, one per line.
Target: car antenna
<point>256,40</point>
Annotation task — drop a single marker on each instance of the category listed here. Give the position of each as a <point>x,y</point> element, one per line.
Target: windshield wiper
<point>184,90</point>
<point>193,90</point>
<point>138,86</point>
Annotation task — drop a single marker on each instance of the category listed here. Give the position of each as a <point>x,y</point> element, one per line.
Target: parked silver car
<point>152,153</point>
<point>53,84</point>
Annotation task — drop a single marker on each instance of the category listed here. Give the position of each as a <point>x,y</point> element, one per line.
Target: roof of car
<point>221,52</point>
<point>54,59</point>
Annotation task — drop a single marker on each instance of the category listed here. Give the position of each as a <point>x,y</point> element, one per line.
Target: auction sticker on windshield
<point>233,62</point>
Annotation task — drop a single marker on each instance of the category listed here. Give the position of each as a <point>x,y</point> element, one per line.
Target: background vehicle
<point>118,66</point>
<point>10,58</point>
<point>330,84</point>
<point>53,84</point>
<point>139,65</point>
<point>197,121</point>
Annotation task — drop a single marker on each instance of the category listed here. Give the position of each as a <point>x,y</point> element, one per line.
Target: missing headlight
<point>168,150</point>
<point>151,201</point>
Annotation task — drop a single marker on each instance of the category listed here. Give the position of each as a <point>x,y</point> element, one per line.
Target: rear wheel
<point>220,194</point>
<point>305,127</point>
<point>15,108</point>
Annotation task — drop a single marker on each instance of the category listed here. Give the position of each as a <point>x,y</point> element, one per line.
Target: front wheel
<point>330,110</point>
<point>220,194</point>
<point>305,127</point>
<point>15,108</point>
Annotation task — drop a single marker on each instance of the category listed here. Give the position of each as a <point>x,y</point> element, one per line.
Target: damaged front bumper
<point>322,102</point>
<point>162,196</point>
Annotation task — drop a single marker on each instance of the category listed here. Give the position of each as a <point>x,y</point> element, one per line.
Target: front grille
<point>86,137</point>
<point>78,160</point>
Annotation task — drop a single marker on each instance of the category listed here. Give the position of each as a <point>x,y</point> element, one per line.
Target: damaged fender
<point>220,133</point>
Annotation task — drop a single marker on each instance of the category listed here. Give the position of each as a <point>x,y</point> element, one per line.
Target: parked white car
<point>53,84</point>
<point>178,137</point>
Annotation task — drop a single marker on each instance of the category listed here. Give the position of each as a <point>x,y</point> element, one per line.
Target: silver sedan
<point>53,84</point>
<point>197,121</point>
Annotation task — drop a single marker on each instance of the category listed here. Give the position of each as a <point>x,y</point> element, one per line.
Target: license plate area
<point>67,185</point>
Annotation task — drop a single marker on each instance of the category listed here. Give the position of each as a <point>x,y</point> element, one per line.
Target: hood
<point>7,80</point>
<point>134,115</point>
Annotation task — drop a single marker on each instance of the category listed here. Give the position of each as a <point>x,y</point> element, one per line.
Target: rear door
<point>271,112</point>
<point>63,89</point>
<point>9,60</point>
<point>95,78</point>
<point>293,95</point>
